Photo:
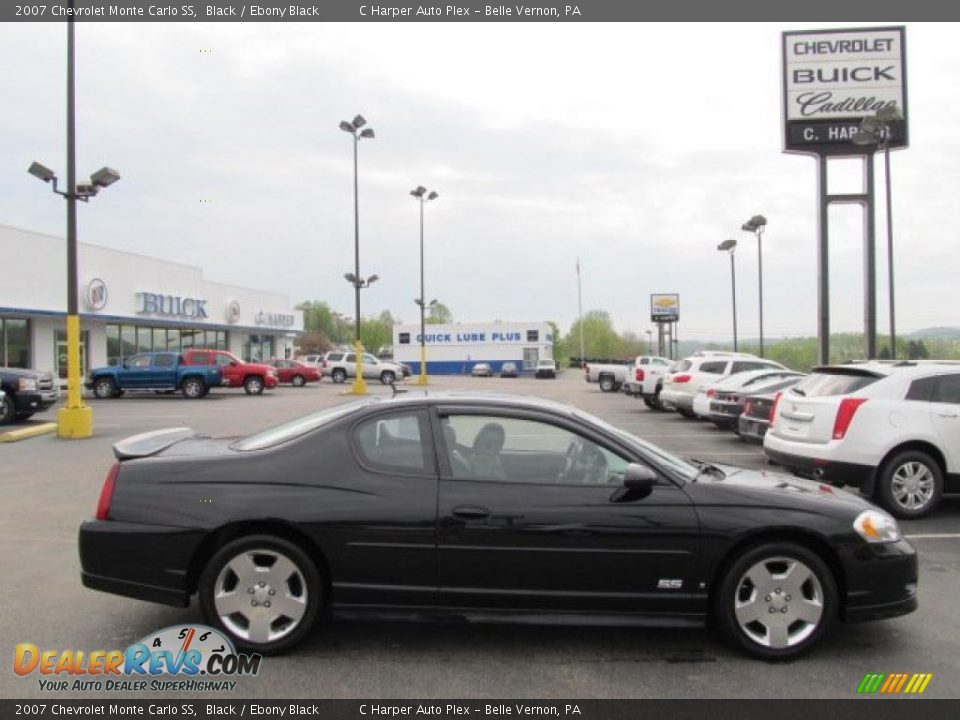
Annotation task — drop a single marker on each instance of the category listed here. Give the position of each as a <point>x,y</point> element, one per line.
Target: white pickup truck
<point>614,377</point>
<point>647,375</point>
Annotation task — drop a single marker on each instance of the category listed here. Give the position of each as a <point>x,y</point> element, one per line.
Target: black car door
<point>532,516</point>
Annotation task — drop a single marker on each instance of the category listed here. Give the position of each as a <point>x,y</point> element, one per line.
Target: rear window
<point>715,366</point>
<point>822,384</point>
<point>301,426</point>
<point>682,366</point>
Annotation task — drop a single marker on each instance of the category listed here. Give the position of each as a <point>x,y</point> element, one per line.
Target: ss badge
<point>669,584</point>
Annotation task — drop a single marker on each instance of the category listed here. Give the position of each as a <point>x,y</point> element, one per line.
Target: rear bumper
<point>147,562</point>
<point>881,582</point>
<point>676,399</point>
<point>752,429</point>
<point>271,381</point>
<point>831,471</point>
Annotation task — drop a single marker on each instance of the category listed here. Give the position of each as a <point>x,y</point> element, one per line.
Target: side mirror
<point>125,365</point>
<point>638,482</point>
<point>233,363</point>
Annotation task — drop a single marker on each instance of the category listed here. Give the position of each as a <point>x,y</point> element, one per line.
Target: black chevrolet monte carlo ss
<point>488,508</point>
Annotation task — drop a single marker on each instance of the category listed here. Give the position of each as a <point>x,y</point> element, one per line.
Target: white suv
<point>891,429</point>
<point>702,369</point>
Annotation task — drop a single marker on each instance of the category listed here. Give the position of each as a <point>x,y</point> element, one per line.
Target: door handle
<point>947,414</point>
<point>471,512</point>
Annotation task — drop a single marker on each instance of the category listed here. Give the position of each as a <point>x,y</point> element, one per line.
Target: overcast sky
<point>636,148</point>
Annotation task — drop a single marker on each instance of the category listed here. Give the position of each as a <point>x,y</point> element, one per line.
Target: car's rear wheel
<point>776,600</point>
<point>688,414</point>
<point>388,377</point>
<point>298,381</point>
<point>262,591</point>
<point>104,388</point>
<point>607,384</point>
<point>193,388</point>
<point>339,376</point>
<point>910,484</point>
<point>253,385</point>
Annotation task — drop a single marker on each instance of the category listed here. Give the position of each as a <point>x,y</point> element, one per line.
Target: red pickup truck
<point>252,377</point>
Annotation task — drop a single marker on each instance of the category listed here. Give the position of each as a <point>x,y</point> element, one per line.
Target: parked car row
<point>889,429</point>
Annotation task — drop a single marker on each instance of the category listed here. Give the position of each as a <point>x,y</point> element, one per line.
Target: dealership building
<point>129,303</point>
<point>454,348</point>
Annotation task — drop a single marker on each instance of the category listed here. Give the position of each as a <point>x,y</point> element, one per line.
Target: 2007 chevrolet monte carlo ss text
<point>489,508</point>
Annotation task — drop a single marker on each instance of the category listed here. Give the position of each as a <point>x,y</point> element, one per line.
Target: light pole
<point>423,197</point>
<point>352,127</point>
<point>756,225</point>
<point>878,131</point>
<point>649,341</point>
<point>75,420</point>
<point>729,246</point>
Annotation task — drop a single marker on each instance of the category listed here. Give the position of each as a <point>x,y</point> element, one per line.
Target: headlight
<point>875,526</point>
<point>28,384</point>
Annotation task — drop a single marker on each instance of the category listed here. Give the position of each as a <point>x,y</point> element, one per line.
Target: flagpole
<point>580,308</point>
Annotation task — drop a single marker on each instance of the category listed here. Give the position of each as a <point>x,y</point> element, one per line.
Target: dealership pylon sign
<point>834,79</point>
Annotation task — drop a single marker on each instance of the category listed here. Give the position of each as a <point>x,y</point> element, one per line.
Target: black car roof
<point>467,397</point>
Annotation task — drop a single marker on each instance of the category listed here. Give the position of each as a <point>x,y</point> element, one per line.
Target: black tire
<point>311,587</point>
<point>104,388</point>
<point>298,381</point>
<point>648,401</point>
<point>607,383</point>
<point>899,504</point>
<point>339,376</point>
<point>193,388</point>
<point>732,590</point>
<point>8,410</point>
<point>253,385</point>
<point>387,377</point>
<point>688,414</point>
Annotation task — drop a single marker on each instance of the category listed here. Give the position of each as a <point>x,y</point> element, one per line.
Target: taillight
<point>848,407</point>
<point>681,378</point>
<point>773,408</point>
<point>106,492</point>
<point>586,369</point>
<point>711,393</point>
<point>638,374</point>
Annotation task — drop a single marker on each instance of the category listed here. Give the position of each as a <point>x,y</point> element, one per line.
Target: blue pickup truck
<point>158,371</point>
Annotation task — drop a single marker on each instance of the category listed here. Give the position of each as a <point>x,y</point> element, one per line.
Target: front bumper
<point>830,471</point>
<point>881,582</point>
<point>31,402</point>
<point>146,562</point>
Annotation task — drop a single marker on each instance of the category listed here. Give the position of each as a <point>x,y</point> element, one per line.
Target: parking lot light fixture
<point>359,386</point>
<point>878,131</point>
<point>730,246</point>
<point>756,225</point>
<point>75,419</point>
<point>420,194</point>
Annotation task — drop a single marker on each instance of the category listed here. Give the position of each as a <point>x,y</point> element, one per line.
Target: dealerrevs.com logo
<point>178,658</point>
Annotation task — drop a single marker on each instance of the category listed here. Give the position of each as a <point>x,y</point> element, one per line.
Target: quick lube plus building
<point>128,304</point>
<point>455,348</point>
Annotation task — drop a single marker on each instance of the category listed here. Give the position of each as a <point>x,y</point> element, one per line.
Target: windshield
<point>671,462</point>
<point>300,426</point>
<point>823,383</point>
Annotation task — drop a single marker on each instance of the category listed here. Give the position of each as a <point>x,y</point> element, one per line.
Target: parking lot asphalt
<point>48,486</point>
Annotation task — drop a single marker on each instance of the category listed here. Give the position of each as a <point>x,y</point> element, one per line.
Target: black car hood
<point>19,372</point>
<point>770,487</point>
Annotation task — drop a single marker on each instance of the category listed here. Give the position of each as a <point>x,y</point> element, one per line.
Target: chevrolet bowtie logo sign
<point>894,683</point>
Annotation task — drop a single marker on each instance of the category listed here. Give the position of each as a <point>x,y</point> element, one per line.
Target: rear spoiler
<point>150,443</point>
<point>847,370</point>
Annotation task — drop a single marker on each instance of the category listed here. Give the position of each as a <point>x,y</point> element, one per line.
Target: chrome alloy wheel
<point>912,485</point>
<point>779,602</point>
<point>260,595</point>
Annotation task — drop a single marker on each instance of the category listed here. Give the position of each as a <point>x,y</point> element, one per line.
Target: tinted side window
<point>744,365</point>
<point>200,359</point>
<point>163,361</point>
<point>393,442</point>
<point>948,390</point>
<point>140,361</point>
<point>715,366</point>
<point>922,389</point>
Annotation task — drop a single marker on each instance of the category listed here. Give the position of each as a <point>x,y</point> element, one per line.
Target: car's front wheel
<point>911,484</point>
<point>253,385</point>
<point>776,600</point>
<point>262,591</point>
